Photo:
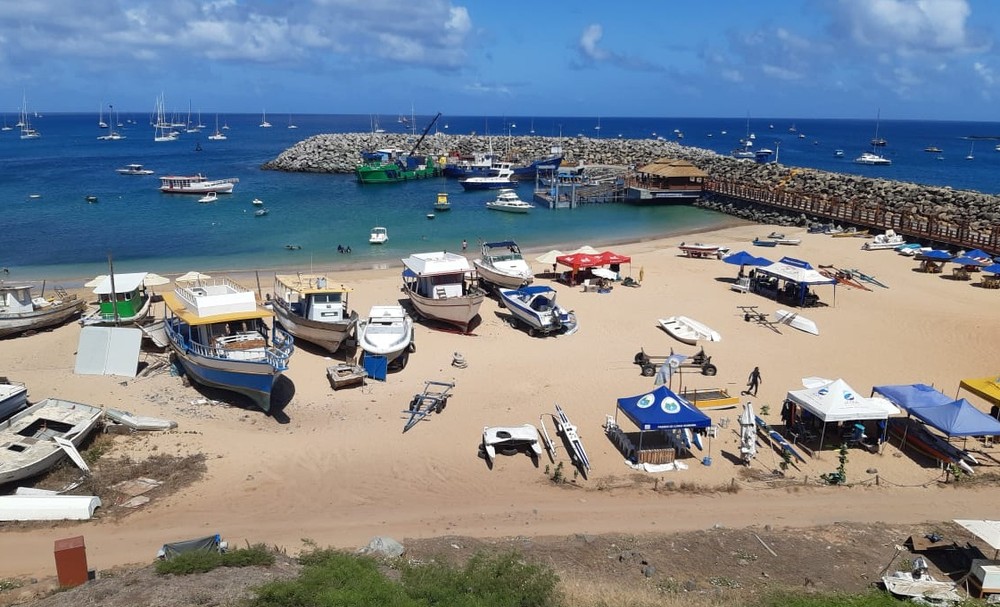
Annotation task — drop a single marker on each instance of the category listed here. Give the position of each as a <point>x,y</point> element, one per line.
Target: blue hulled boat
<point>480,165</point>
<point>220,336</point>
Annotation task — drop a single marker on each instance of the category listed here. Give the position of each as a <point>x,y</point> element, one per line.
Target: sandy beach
<point>340,471</point>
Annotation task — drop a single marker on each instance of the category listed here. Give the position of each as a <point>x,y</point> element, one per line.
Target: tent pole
<point>822,436</point>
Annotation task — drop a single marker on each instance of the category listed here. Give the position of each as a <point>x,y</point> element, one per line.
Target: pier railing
<point>862,214</point>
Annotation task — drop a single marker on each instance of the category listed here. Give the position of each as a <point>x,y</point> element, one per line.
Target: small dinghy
<point>688,330</point>
<point>794,319</point>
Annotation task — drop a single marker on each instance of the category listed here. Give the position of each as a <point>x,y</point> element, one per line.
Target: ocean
<point>52,232</point>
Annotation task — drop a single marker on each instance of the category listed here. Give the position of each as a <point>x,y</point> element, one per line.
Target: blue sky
<point>908,59</point>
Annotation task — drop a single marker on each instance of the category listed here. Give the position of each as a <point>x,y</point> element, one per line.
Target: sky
<point>902,59</point>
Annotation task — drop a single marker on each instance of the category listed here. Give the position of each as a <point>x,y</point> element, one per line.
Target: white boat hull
<point>327,335</point>
<point>384,342</point>
<point>54,314</point>
<point>506,276</point>
<point>552,318</point>
<point>33,429</point>
<point>458,311</point>
<point>793,319</point>
<point>687,330</point>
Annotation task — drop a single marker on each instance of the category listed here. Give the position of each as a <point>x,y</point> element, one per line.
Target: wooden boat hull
<point>13,398</point>
<point>456,311</point>
<point>98,319</point>
<point>327,335</point>
<point>50,316</point>
<point>32,428</point>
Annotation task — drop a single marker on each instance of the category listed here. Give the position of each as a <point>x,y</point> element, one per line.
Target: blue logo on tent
<point>848,396</point>
<point>670,405</point>
<point>646,401</point>
<point>823,391</point>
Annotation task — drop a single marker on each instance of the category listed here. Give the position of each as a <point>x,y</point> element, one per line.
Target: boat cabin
<point>124,299</point>
<point>437,275</point>
<point>312,297</point>
<point>666,181</point>
<point>222,316</point>
<point>16,299</point>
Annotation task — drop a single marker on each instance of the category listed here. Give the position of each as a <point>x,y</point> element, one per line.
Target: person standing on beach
<point>753,382</point>
<point>465,245</point>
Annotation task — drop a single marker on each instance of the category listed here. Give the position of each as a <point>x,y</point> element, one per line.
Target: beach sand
<point>340,470</point>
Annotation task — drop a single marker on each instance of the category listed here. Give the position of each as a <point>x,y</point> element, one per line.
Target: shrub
<point>201,561</point>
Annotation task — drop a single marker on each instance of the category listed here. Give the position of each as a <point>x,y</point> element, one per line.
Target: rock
<point>383,546</point>
<point>649,571</point>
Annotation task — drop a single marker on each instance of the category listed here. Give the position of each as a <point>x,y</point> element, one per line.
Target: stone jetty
<point>340,153</point>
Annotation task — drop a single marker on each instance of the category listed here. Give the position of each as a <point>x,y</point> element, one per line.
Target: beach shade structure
<point>155,280</point>
<point>957,418</point>
<point>992,268</point>
<point>660,409</point>
<point>586,249</point>
<point>931,261</point>
<point>981,255</point>
<point>799,273</point>
<point>740,258</point>
<point>986,388</point>
<point>93,282</point>
<point>965,260</point>
<point>550,257</point>
<point>579,261</point>
<point>615,260</point>
<point>192,276</point>
<point>836,401</point>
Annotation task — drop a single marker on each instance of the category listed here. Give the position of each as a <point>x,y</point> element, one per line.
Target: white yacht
<point>508,200</point>
<point>872,158</point>
<point>379,235</point>
<point>503,265</point>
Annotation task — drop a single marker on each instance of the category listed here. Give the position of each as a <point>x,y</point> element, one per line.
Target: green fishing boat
<point>392,165</point>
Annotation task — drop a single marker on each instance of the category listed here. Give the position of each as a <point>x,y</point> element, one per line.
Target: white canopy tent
<point>988,531</point>
<point>798,272</point>
<point>836,401</point>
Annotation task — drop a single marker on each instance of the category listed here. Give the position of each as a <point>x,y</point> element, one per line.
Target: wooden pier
<point>911,225</point>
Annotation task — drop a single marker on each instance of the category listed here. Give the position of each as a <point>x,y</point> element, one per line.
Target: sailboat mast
<point>114,292</point>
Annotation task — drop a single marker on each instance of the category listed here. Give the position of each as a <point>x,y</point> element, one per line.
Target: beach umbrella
<point>992,269</point>
<point>550,257</point>
<point>967,261</point>
<point>741,258</point>
<point>192,276</point>
<point>935,255</point>
<point>92,283</point>
<point>980,255</point>
<point>585,249</point>
<point>763,261</point>
<point>155,280</point>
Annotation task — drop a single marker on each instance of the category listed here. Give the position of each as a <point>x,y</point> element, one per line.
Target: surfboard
<point>568,430</point>
<point>686,437</point>
<point>696,439</point>
<point>779,439</point>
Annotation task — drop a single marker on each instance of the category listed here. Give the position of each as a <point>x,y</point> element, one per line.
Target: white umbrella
<point>192,276</point>
<point>92,283</point>
<point>550,257</point>
<point>155,280</point>
<point>585,249</point>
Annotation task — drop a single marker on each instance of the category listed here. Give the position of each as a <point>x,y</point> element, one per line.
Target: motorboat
<point>121,299</point>
<point>503,265</point>
<point>20,312</point>
<point>310,307</point>
<point>220,336</point>
<point>257,202</point>
<point>918,585</point>
<point>261,212</point>
<point>511,439</point>
<point>497,179</point>
<point>388,332</point>
<point>796,320</point>
<point>442,203</point>
<point>33,439</point>
<point>196,184</point>
<point>688,330</point>
<point>760,242</point>
<point>443,286</point>
<point>838,153</point>
<point>935,149</point>
<point>210,197</point>
<point>871,158</point>
<point>134,169</point>
<point>702,250</point>
<point>13,397</point>
<point>889,240</point>
<point>507,200</point>
<point>535,306</point>
<point>379,235</point>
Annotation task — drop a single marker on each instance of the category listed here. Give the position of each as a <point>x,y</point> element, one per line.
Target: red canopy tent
<point>582,261</point>
<point>610,257</point>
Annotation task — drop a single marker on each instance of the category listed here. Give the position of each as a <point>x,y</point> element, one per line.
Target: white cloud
<point>590,52</point>
<point>985,73</point>
<point>589,40</point>
<point>909,26</point>
<point>481,88</point>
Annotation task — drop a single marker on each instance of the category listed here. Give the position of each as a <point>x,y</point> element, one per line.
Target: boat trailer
<point>433,399</point>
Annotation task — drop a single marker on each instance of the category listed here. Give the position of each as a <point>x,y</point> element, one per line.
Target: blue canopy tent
<point>979,254</point>
<point>905,396</point>
<point>742,258</point>
<point>949,416</point>
<point>661,409</point>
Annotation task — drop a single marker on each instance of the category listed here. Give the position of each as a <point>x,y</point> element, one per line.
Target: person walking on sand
<point>465,245</point>
<point>753,382</point>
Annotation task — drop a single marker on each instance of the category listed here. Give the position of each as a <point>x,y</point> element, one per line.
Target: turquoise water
<point>60,235</point>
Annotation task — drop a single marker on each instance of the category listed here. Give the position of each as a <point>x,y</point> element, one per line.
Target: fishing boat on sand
<point>535,306</point>
<point>121,299</point>
<point>502,265</point>
<point>387,331</point>
<point>220,336</point>
<point>688,330</point>
<point>20,312</point>
<point>443,286</point>
<point>309,307</point>
<point>32,437</point>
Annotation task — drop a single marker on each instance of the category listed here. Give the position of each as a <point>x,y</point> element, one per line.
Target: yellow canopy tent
<point>987,388</point>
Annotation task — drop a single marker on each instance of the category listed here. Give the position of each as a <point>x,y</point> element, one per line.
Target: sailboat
<point>191,128</point>
<point>290,125</point>
<point>217,135</point>
<point>200,125</point>
<point>972,147</point>
<point>746,150</point>
<point>598,127</point>
<point>162,130</point>
<point>6,127</point>
<point>532,131</point>
<point>112,135</point>
<point>871,157</point>
<point>264,124</point>
<point>26,131</point>
<point>100,117</point>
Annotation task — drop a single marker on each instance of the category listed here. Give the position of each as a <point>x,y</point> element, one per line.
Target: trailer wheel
<point>639,358</point>
<point>441,404</point>
<point>648,370</point>
<point>709,370</point>
<point>532,332</point>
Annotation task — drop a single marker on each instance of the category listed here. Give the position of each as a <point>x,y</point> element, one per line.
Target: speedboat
<point>889,240</point>
<point>257,202</point>
<point>507,200</point>
<point>260,212</point>
<point>688,330</point>
<point>443,286</point>
<point>379,235</point>
<point>702,250</point>
<point>20,312</point>
<point>442,203</point>
<point>196,184</point>
<point>388,332</point>
<point>210,197</point>
<point>497,179</point>
<point>311,308</point>
<point>121,299</point>
<point>838,153</point>
<point>503,265</point>
<point>134,169</point>
<point>535,306</point>
<point>871,158</point>
<point>765,243</point>
<point>220,336</point>
<point>511,439</point>
<point>30,437</point>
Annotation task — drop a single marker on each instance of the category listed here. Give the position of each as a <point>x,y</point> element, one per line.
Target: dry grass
<point>653,592</point>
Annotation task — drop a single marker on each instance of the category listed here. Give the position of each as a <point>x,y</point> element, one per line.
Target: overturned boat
<point>535,306</point>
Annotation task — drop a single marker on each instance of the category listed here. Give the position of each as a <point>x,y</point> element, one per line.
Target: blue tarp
<point>742,258</point>
<point>661,409</point>
<point>950,416</point>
